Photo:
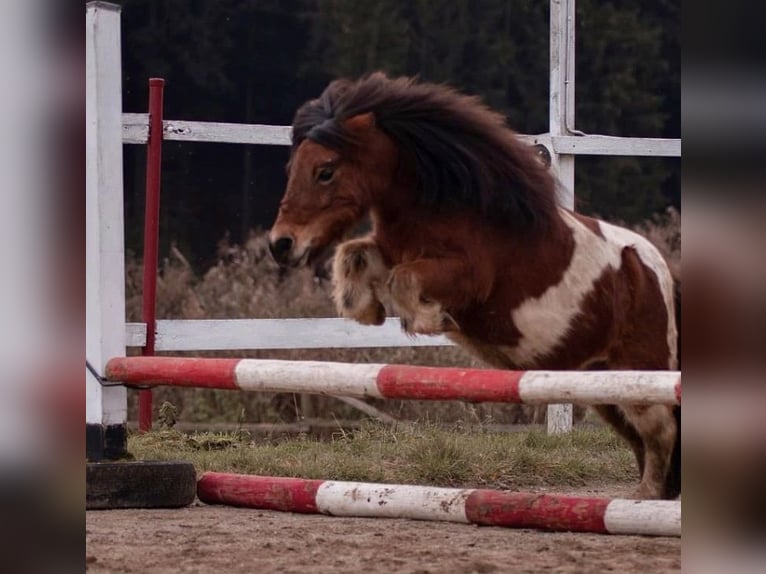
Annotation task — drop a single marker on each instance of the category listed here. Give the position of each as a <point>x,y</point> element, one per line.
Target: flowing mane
<point>462,153</point>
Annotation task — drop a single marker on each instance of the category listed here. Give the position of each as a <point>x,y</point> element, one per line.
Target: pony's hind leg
<point>358,274</point>
<point>656,425</point>
<point>673,477</point>
<point>616,419</point>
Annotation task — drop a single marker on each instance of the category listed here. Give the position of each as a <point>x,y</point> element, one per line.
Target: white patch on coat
<point>544,321</point>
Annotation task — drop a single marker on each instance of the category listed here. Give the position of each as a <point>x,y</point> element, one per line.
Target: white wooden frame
<point>241,334</point>
<point>135,130</point>
<point>105,250</point>
<point>561,117</point>
<point>105,219</point>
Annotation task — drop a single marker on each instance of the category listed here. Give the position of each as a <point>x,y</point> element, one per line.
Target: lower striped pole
<point>470,506</point>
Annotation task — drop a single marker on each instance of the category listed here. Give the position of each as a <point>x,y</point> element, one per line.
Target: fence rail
<point>241,334</point>
<point>135,130</point>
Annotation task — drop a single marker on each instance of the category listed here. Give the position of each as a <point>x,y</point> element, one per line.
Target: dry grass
<point>665,232</point>
<point>245,283</point>
<point>410,454</point>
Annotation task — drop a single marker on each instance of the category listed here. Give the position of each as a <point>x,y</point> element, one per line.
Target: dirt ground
<point>209,539</point>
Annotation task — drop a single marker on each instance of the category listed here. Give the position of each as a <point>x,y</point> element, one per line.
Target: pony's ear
<point>360,123</point>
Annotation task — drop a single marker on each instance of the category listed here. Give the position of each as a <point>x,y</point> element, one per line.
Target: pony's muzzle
<point>281,248</point>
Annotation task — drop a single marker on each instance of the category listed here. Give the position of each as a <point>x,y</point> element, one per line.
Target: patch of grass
<point>437,457</point>
<point>409,454</point>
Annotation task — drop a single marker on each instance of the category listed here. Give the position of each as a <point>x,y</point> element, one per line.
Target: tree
<point>623,88</point>
<point>229,60</point>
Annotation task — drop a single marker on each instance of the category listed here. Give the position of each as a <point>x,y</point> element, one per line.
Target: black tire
<point>140,484</point>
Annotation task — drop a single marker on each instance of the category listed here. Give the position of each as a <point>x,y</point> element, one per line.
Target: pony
<point>468,240</point>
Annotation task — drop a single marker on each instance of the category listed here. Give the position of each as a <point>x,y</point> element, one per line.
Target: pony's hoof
<point>646,492</point>
<point>427,320</point>
<point>375,314</point>
<point>360,304</point>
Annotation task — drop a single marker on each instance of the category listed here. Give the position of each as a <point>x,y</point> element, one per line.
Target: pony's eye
<point>325,175</point>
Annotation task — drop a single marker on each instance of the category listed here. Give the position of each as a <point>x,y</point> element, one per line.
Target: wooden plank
<point>243,334</point>
<point>612,145</point>
<point>560,417</point>
<point>227,133</point>
<point>135,334</point>
<point>561,92</point>
<point>104,237</point>
<point>136,130</point>
<point>561,114</point>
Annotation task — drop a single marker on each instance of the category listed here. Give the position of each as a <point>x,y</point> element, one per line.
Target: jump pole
<point>151,238</point>
<point>402,381</point>
<point>468,506</point>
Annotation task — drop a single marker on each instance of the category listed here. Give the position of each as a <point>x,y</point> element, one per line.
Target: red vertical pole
<point>151,238</point>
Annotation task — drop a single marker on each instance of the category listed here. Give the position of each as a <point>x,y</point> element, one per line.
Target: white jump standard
<point>402,381</point>
<point>469,506</point>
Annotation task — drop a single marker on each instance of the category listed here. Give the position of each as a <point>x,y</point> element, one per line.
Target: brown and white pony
<point>467,240</point>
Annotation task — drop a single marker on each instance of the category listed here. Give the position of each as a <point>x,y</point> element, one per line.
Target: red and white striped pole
<point>402,381</point>
<point>470,506</point>
<point>151,238</point>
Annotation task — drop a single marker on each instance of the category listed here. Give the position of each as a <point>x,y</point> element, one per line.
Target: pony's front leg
<point>359,274</point>
<point>422,291</point>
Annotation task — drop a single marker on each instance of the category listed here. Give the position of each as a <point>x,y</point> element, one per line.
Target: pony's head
<point>412,145</point>
<point>339,161</point>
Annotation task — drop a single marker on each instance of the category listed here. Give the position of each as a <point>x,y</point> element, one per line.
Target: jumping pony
<point>468,240</point>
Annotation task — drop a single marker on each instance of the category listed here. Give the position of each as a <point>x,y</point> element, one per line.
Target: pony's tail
<point>677,298</point>
<point>673,478</point>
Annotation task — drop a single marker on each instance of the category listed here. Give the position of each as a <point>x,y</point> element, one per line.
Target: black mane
<point>463,154</point>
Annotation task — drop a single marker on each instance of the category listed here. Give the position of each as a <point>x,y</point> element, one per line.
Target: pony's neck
<point>396,219</point>
<point>400,225</point>
<point>397,201</point>
<point>388,212</point>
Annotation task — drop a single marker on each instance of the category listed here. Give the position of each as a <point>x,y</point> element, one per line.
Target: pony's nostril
<point>281,247</point>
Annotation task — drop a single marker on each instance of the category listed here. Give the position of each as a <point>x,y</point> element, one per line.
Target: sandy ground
<point>211,539</point>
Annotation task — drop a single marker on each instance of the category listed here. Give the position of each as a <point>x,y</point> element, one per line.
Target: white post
<point>562,17</point>
<point>106,407</point>
<point>562,89</point>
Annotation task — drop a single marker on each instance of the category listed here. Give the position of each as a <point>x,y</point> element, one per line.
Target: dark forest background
<point>256,61</point>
